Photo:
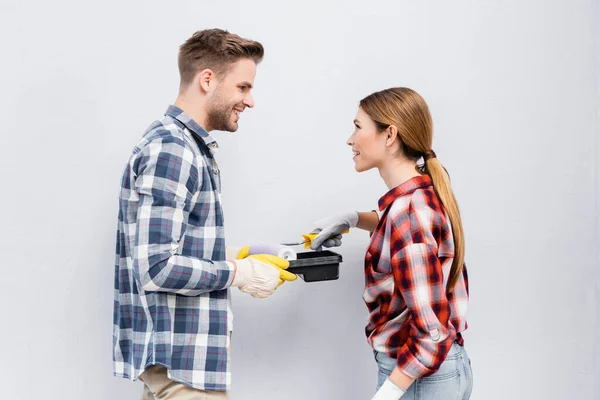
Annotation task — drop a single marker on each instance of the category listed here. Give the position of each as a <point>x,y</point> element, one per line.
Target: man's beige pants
<point>158,386</point>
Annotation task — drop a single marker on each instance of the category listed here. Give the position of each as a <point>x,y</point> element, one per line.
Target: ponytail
<point>441,185</point>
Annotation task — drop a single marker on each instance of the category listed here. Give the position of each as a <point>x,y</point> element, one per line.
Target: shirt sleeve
<point>166,179</point>
<point>419,277</point>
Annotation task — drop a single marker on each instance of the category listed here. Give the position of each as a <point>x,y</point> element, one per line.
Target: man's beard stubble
<point>219,115</point>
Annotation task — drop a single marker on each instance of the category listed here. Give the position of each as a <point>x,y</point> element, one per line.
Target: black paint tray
<point>315,266</point>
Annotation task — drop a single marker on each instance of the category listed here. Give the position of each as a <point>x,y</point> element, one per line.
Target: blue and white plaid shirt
<point>171,279</point>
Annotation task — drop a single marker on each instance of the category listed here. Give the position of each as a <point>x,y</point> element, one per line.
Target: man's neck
<point>194,109</point>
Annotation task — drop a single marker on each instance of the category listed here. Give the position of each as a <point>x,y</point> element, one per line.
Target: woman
<point>416,283</point>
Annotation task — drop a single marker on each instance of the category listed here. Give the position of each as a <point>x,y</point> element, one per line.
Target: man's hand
<point>259,275</point>
<point>330,229</point>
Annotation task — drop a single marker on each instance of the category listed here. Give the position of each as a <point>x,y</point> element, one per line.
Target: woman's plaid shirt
<point>412,317</point>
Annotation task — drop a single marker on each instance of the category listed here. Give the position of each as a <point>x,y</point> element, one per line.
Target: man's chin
<point>233,127</point>
<point>228,128</point>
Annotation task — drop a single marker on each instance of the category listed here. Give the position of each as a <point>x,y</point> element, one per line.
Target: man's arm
<point>167,178</point>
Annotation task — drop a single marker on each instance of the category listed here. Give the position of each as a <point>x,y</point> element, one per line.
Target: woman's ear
<point>391,133</point>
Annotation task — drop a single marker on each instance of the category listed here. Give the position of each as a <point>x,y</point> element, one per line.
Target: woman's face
<point>368,145</point>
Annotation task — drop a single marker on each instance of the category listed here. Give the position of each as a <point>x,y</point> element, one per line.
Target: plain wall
<point>514,92</point>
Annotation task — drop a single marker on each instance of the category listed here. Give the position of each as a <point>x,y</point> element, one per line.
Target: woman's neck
<point>396,171</point>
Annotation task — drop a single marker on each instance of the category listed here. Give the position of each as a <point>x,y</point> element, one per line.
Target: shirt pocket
<point>381,262</point>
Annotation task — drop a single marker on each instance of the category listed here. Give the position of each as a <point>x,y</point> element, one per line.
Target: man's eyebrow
<point>246,84</point>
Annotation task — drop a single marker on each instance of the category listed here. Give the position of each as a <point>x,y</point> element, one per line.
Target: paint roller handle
<point>278,250</point>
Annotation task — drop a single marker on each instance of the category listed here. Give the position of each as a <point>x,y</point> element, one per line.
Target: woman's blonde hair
<point>407,111</point>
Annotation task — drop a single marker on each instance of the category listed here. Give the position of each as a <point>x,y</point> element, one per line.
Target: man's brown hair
<point>215,49</point>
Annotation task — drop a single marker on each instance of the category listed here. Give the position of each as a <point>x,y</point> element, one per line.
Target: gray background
<point>513,89</point>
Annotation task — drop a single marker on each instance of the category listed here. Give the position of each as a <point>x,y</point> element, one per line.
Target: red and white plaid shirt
<point>412,316</point>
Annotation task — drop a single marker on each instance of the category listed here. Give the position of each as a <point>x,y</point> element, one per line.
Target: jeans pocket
<point>448,370</point>
<point>439,387</point>
<point>440,377</point>
<point>445,383</point>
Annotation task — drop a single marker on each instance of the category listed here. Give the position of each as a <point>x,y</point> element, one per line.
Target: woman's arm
<point>331,228</point>
<point>368,220</point>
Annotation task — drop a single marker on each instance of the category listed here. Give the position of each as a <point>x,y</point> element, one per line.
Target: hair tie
<point>428,155</point>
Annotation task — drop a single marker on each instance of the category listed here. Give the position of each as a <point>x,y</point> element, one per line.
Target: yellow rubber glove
<point>277,262</point>
<point>244,252</point>
<point>260,275</point>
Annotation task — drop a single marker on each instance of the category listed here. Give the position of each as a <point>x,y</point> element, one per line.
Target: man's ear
<point>207,80</point>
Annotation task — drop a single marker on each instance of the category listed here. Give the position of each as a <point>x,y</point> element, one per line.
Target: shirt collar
<point>418,182</point>
<point>193,126</point>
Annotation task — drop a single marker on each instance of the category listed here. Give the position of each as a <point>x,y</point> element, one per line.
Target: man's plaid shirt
<point>171,304</point>
<point>412,317</point>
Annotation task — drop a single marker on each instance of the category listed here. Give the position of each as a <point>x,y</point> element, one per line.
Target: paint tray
<point>315,266</point>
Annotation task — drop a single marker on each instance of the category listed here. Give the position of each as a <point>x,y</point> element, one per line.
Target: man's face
<point>231,96</point>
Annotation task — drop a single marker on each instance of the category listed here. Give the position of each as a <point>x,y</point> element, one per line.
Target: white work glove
<point>389,391</point>
<point>236,253</point>
<point>259,275</point>
<point>330,229</point>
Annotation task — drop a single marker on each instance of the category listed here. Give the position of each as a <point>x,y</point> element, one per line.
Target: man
<point>172,318</point>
